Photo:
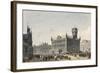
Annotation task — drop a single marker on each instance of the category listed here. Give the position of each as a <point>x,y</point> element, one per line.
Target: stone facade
<point>85,46</point>
<point>43,49</point>
<point>67,44</point>
<point>27,45</point>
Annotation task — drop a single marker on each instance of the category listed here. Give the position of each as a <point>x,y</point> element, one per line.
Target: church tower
<point>74,33</point>
<point>29,33</point>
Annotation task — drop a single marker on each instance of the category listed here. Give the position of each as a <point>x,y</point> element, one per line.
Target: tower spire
<point>74,32</point>
<point>28,29</point>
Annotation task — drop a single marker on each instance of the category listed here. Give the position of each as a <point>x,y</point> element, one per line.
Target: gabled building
<point>85,46</point>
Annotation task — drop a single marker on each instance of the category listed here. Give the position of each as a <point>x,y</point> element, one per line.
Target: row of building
<point>60,45</point>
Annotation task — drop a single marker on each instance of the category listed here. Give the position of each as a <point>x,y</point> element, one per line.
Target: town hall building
<point>68,44</point>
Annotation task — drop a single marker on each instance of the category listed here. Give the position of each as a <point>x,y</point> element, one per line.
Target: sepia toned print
<point>56,36</point>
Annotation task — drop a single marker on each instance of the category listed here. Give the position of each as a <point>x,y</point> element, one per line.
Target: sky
<point>47,24</point>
